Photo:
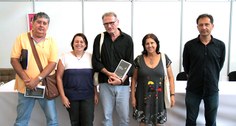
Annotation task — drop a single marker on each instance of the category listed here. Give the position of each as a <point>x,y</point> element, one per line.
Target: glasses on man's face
<point>109,23</point>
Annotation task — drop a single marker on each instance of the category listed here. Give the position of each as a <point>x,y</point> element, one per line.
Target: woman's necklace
<point>151,61</point>
<point>78,57</point>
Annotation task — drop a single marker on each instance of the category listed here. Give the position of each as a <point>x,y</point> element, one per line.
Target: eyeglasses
<point>109,23</point>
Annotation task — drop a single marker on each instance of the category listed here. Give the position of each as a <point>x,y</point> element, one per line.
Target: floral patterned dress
<point>149,93</point>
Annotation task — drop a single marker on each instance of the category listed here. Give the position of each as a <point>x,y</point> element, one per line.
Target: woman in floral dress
<point>147,85</point>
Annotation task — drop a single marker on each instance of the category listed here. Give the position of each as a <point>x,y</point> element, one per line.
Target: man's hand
<point>32,83</point>
<point>114,80</point>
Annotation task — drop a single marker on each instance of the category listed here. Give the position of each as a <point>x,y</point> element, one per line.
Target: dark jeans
<point>81,112</point>
<point>192,102</point>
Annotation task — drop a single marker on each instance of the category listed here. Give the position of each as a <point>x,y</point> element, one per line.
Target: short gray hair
<point>109,14</point>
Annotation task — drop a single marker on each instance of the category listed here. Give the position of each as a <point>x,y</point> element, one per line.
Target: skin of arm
<point>133,87</point>
<point>20,72</point>
<point>95,95</point>
<point>60,72</point>
<point>31,83</point>
<point>46,71</point>
<point>172,85</point>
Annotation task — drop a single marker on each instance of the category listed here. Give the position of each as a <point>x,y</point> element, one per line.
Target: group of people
<point>203,58</point>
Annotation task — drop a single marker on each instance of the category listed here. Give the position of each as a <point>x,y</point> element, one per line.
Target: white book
<point>37,93</point>
<point>122,68</point>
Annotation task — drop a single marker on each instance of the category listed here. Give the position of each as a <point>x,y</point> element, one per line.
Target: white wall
<point>158,18</point>
<point>221,14</point>
<point>66,21</point>
<point>93,18</point>
<point>232,65</point>
<point>13,22</point>
<point>162,18</point>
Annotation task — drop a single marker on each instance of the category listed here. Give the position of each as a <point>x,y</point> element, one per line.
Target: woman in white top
<point>75,82</point>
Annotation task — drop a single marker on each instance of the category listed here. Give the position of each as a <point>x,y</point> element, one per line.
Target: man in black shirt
<point>203,59</point>
<point>114,92</point>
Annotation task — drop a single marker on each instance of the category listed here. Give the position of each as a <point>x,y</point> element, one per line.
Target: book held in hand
<point>122,68</point>
<point>36,93</point>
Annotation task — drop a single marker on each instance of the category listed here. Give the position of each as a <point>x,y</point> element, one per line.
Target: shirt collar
<point>43,39</point>
<point>211,41</point>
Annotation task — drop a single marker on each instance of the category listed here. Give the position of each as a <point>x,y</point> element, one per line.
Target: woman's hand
<point>96,99</point>
<point>65,101</point>
<point>172,98</point>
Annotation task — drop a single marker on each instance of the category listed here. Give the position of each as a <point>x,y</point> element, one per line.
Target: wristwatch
<point>40,78</point>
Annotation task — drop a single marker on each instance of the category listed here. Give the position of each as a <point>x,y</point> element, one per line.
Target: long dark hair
<point>154,37</point>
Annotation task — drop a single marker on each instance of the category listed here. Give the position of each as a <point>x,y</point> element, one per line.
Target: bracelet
<point>40,78</point>
<point>172,94</point>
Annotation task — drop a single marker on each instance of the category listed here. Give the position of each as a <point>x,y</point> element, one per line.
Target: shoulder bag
<point>51,90</point>
<point>166,83</point>
<point>95,76</point>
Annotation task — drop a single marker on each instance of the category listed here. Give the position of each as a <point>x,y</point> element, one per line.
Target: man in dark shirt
<point>114,92</point>
<point>203,59</point>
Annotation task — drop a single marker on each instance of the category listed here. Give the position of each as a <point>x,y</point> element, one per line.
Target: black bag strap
<point>36,55</point>
<point>100,45</point>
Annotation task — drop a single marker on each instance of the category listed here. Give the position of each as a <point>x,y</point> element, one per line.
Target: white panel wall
<point>162,18</point>
<point>93,18</point>
<point>232,66</point>
<point>221,14</point>
<point>13,22</point>
<point>158,18</point>
<point>66,21</point>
